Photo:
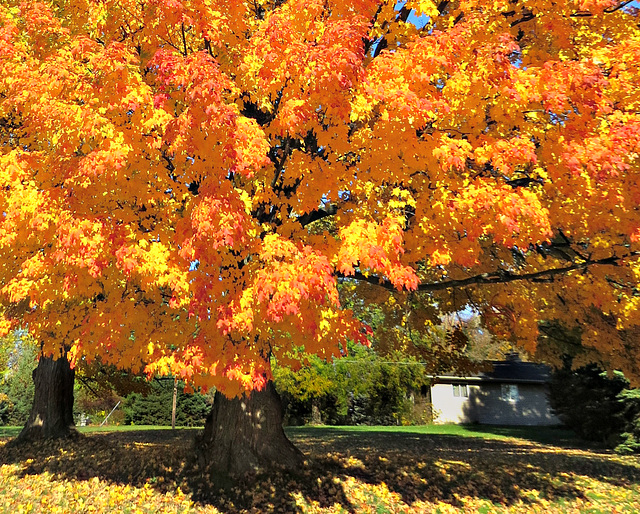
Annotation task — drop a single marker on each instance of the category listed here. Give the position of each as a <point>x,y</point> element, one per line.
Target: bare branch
<point>184,41</point>
<point>587,14</point>
<point>525,17</point>
<point>316,215</point>
<point>618,7</point>
<point>497,277</point>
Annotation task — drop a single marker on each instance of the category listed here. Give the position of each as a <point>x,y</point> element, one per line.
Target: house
<point>512,393</point>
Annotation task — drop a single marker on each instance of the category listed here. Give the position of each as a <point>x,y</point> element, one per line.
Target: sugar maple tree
<point>184,182</point>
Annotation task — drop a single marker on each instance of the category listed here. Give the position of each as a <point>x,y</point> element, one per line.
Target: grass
<point>8,431</point>
<point>443,468</point>
<point>544,435</point>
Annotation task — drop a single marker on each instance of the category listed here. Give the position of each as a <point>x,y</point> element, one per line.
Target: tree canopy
<point>185,182</point>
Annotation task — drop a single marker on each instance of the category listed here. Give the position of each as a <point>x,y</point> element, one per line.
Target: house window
<point>460,391</point>
<point>510,392</point>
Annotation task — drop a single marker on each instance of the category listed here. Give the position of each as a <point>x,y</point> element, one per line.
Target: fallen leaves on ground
<point>377,472</point>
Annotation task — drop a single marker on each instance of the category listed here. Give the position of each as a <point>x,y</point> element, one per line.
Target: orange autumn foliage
<point>184,182</point>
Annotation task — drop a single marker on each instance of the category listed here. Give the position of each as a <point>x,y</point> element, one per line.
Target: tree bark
<point>174,402</point>
<point>316,416</point>
<point>52,411</point>
<point>242,435</point>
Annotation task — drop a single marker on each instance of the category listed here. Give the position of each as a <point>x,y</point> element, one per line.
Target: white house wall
<point>451,409</point>
<point>485,404</point>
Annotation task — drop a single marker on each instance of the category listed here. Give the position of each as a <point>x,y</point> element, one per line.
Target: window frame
<point>460,390</point>
<point>510,393</point>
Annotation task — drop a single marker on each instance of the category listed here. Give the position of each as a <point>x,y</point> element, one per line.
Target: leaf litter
<point>155,471</point>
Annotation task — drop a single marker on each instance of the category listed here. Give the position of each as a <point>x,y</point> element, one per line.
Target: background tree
<point>629,439</point>
<point>153,407</point>
<point>598,406</point>
<point>309,391</point>
<point>388,382</point>
<point>360,388</point>
<point>17,382</point>
<point>410,324</point>
<point>586,401</point>
<point>185,182</point>
<point>100,387</point>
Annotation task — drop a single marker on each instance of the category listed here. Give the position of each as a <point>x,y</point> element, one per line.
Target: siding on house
<point>450,409</point>
<point>531,408</point>
<point>514,393</point>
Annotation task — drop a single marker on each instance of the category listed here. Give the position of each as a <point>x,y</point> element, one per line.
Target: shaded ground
<point>353,471</point>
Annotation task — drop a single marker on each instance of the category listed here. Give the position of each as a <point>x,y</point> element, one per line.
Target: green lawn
<point>444,468</point>
<point>544,435</point>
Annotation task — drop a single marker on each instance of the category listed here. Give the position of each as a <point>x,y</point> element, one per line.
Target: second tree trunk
<point>52,411</point>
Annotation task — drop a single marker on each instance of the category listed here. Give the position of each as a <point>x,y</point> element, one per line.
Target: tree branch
<point>618,7</point>
<point>316,215</point>
<point>527,15</point>
<point>610,10</point>
<point>496,277</point>
<point>85,381</point>
<point>184,41</point>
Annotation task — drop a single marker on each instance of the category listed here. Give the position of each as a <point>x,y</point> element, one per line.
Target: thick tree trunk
<point>245,434</point>
<point>52,411</point>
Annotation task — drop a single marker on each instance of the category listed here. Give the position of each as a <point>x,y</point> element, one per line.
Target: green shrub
<point>359,389</point>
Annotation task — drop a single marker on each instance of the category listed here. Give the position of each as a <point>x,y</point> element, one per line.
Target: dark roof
<point>517,371</point>
<point>511,370</point>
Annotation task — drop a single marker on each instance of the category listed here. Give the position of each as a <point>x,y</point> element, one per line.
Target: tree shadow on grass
<point>555,436</point>
<point>395,466</point>
<point>450,466</point>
